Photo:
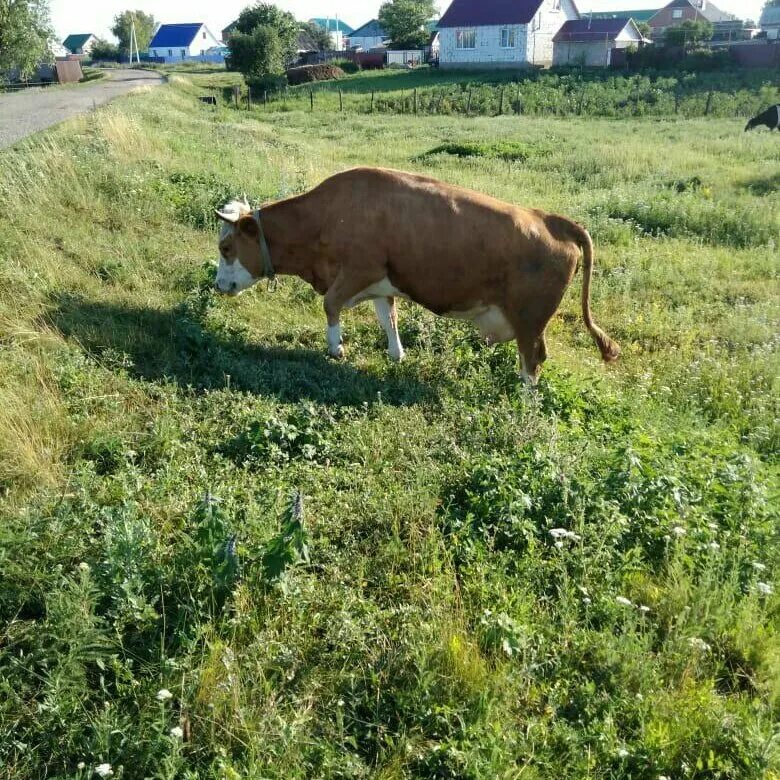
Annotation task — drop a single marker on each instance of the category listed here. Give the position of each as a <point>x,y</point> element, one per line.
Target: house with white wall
<point>176,42</point>
<point>370,36</point>
<point>590,42</point>
<point>501,34</point>
<point>80,43</point>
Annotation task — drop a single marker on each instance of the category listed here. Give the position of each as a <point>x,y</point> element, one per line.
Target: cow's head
<point>751,124</point>
<point>240,258</point>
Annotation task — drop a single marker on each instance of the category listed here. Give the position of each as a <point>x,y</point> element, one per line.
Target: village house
<point>339,31</point>
<point>80,43</point>
<point>498,34</point>
<point>590,42</point>
<point>679,11</point>
<point>176,42</point>
<point>370,36</point>
<point>770,21</point>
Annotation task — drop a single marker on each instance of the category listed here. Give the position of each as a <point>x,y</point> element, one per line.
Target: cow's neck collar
<point>269,272</point>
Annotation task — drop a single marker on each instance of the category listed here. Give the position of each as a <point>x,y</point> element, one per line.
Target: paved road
<point>26,112</point>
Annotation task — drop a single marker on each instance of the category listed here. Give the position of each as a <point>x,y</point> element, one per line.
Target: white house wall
<point>533,42</point>
<point>373,42</point>
<point>540,43</point>
<point>487,51</point>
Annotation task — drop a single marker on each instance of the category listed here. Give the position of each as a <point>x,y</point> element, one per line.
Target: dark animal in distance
<point>209,100</point>
<point>769,118</point>
<point>377,234</point>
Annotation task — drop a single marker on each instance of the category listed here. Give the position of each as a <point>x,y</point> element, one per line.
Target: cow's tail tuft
<point>610,350</point>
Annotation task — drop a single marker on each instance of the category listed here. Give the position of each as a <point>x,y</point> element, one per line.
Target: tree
<point>689,34</point>
<point>404,21</point>
<point>104,50</point>
<point>25,32</point>
<point>144,29</point>
<point>267,15</point>
<point>256,54</point>
<point>645,29</point>
<point>319,36</point>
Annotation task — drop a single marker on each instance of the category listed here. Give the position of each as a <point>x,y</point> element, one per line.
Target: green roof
<point>74,42</point>
<point>332,25</point>
<point>642,15</point>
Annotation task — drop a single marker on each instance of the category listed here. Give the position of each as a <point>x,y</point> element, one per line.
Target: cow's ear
<point>227,216</point>
<point>248,225</point>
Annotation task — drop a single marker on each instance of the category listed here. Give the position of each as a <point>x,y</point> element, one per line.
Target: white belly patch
<point>490,320</point>
<point>381,289</point>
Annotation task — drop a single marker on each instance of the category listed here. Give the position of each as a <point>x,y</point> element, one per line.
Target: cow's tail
<point>610,350</point>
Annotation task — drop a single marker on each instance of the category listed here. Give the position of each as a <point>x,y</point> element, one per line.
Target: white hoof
<point>337,353</point>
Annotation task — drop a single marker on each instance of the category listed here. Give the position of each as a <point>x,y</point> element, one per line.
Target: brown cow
<point>377,234</point>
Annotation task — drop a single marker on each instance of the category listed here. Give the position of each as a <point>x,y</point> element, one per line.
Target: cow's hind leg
<point>387,314</point>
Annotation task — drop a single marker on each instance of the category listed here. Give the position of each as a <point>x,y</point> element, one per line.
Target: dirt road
<point>27,112</point>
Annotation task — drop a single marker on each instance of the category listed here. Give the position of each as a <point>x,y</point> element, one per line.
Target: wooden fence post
<point>468,104</point>
<point>519,101</point>
<point>265,97</point>
<point>341,100</point>
<point>236,95</point>
<point>709,104</point>
<point>372,101</point>
<point>311,99</point>
<point>501,102</point>
<point>415,100</point>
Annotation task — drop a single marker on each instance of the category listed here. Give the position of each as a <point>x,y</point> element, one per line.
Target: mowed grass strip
<point>481,581</point>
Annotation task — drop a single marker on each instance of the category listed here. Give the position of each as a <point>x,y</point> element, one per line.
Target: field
<point>224,555</point>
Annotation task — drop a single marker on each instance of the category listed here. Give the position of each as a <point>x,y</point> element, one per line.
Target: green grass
<point>558,93</point>
<point>416,619</point>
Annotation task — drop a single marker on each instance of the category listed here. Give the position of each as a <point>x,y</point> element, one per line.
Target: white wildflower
<point>644,609</point>
<point>764,588</point>
<point>623,601</point>
<point>563,533</point>
<point>586,601</point>
<point>177,732</point>
<point>164,695</point>
<point>698,644</point>
<point>340,703</point>
<point>759,566</point>
<point>84,566</point>
<point>81,765</point>
<point>622,753</point>
<point>678,530</point>
<point>104,770</point>
<point>713,546</point>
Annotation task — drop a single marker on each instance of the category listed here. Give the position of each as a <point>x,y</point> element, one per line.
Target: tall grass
<point>478,582</point>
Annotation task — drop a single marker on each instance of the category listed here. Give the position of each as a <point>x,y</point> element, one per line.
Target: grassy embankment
<point>427,624</point>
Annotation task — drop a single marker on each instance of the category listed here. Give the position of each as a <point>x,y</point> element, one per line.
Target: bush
<point>269,83</point>
<point>348,66</point>
<point>307,73</point>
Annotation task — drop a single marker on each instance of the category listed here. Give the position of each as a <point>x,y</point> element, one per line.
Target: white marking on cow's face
<point>232,277</point>
<point>335,347</point>
<point>394,347</point>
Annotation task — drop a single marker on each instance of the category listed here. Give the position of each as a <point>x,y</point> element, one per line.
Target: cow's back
<point>440,244</point>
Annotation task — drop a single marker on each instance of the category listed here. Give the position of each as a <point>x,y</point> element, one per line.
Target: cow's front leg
<point>387,314</point>
<point>343,290</point>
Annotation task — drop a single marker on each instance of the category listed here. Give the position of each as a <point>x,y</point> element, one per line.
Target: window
<point>556,5</point>
<point>183,53</point>
<point>170,52</point>
<point>507,37</point>
<point>466,39</point>
<point>204,36</point>
<point>536,23</point>
<point>677,13</point>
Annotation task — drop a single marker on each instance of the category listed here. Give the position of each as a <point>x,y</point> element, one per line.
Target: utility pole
<point>134,41</point>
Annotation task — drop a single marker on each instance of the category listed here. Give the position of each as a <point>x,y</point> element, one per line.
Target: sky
<point>95,16</point>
